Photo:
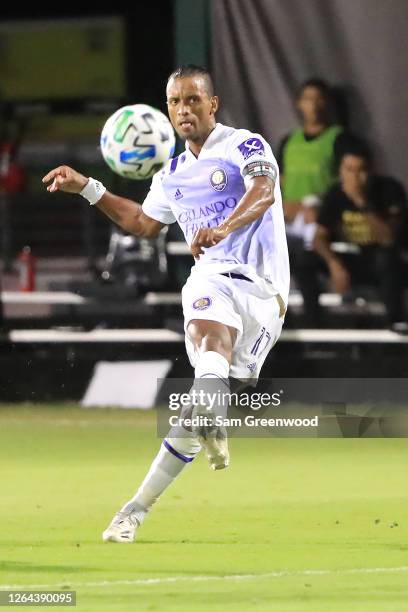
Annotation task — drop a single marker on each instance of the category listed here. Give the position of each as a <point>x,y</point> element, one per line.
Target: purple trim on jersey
<point>173,164</point>
<point>176,453</point>
<point>252,146</point>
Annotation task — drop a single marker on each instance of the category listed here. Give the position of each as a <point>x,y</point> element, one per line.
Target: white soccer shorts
<point>252,310</point>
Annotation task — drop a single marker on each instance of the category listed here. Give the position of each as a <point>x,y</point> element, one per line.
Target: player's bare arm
<point>254,203</point>
<point>125,213</point>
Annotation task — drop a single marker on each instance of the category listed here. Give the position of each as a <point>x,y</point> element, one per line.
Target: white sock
<point>211,376</point>
<point>211,365</point>
<point>174,455</point>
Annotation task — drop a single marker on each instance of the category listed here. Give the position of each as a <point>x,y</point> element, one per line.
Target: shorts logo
<point>202,303</point>
<point>252,146</point>
<point>251,366</point>
<point>218,179</point>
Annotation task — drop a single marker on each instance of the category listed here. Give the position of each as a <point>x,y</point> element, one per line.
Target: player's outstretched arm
<point>125,213</point>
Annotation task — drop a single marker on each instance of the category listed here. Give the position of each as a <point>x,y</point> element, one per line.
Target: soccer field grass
<point>292,525</point>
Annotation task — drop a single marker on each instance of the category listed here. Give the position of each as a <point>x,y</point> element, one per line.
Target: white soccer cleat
<point>213,439</point>
<point>216,449</point>
<point>122,529</point>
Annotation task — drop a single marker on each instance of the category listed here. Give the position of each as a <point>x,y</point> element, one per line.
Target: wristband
<point>93,191</point>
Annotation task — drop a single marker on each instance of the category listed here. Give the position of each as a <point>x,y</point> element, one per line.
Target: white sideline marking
<point>172,579</point>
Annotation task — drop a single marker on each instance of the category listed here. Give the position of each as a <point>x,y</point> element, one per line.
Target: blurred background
<point>322,81</point>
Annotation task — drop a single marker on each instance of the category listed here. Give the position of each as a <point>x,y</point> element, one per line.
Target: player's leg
<point>212,326</point>
<point>178,449</point>
<point>212,343</point>
<point>212,336</point>
<point>210,346</point>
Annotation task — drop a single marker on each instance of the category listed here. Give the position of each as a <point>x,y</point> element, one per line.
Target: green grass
<point>284,505</point>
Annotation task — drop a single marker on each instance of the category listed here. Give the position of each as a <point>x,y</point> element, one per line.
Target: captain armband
<point>259,168</point>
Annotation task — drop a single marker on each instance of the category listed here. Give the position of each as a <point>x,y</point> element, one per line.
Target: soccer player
<point>223,190</point>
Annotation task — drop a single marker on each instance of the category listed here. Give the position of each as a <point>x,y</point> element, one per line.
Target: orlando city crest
<point>202,303</point>
<point>218,179</point>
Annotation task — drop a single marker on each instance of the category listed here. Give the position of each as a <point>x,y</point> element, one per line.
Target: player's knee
<point>212,336</point>
<point>217,345</point>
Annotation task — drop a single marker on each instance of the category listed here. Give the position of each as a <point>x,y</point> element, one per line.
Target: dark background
<point>149,43</point>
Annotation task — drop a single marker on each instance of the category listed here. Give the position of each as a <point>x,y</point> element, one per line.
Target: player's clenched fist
<point>65,179</point>
<point>206,237</point>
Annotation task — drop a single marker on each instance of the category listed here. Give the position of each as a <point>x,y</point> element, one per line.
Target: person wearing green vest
<point>308,162</point>
<point>307,158</point>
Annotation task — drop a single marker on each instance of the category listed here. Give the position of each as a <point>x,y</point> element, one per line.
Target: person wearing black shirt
<point>368,212</point>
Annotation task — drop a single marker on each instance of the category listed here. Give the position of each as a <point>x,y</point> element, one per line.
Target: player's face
<point>354,173</point>
<point>191,109</point>
<point>312,104</point>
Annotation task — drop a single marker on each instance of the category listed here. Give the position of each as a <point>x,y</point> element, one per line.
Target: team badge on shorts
<point>202,303</point>
<point>218,179</point>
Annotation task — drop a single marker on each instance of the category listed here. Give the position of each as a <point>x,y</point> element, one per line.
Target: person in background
<point>307,159</point>
<point>369,212</point>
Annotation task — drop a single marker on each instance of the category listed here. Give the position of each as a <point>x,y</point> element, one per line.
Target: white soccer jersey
<point>203,191</point>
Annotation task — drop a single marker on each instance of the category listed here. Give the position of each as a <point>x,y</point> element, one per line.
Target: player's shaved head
<point>191,70</point>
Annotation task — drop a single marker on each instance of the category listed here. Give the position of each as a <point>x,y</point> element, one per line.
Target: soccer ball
<point>137,141</point>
